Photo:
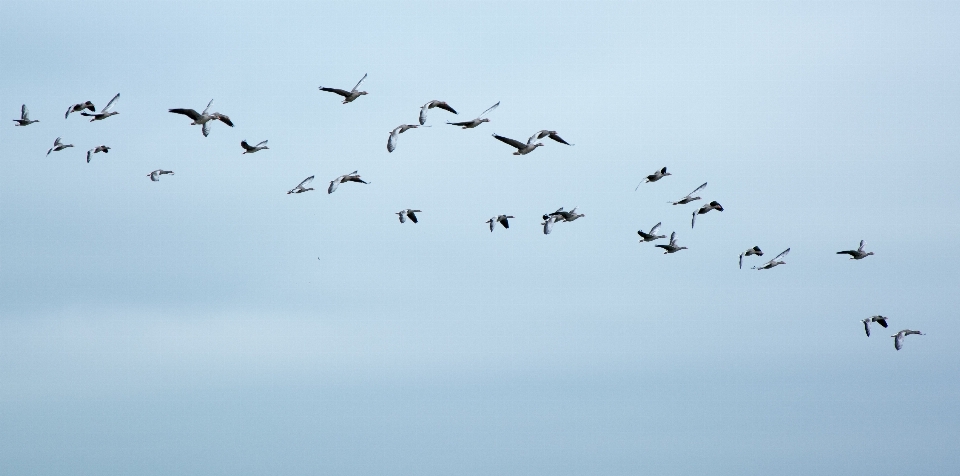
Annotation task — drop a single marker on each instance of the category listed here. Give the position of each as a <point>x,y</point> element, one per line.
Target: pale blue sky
<point>187,327</point>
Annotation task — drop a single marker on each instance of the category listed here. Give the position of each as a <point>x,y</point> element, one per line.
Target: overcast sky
<point>210,324</point>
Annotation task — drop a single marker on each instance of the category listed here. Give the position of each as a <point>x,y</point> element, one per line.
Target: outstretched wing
<point>306,181</point>
<point>655,228</point>
<point>698,189</point>
<point>24,113</point>
<point>488,110</point>
<point>466,123</point>
<point>110,104</point>
<point>205,129</point>
<point>224,119</point>
<point>861,246</point>
<point>246,146</point>
<point>741,260</point>
<point>333,185</point>
<point>392,141</point>
<point>866,326</point>
<point>186,112</point>
<point>514,143</point>
<point>554,136</point>
<point>358,82</point>
<point>781,255</point>
<point>423,113</point>
<point>337,91</point>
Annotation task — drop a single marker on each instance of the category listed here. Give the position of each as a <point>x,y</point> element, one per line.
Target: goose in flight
<point>300,188</point>
<point>551,134</point>
<point>878,319</point>
<point>204,118</point>
<point>690,198</point>
<point>351,177</point>
<point>898,337</point>
<point>155,175</point>
<point>857,253</point>
<point>704,209</point>
<point>476,122</point>
<point>249,149</point>
<point>564,216</point>
<point>58,146</point>
<point>672,246</point>
<point>80,107</point>
<point>408,213</point>
<point>24,117</point>
<point>105,112</point>
<point>654,177</point>
<point>774,262</point>
<point>501,219</point>
<point>348,96</point>
<point>755,251</point>
<point>522,149</point>
<point>651,235</point>
<point>97,149</point>
<point>430,105</point>
<point>392,141</point>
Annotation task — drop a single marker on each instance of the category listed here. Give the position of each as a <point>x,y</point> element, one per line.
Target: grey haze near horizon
<point>187,326</point>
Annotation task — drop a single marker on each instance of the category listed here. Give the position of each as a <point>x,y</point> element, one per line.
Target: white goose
<point>501,219</point>
<point>348,96</point>
<point>105,112</point>
<point>430,105</point>
<point>204,118</point>
<point>300,188</point>
<point>690,198</point>
<point>392,141</point>
<point>476,122</point>
<point>58,146</point>
<point>774,262</point>
<point>351,177</point>
<point>651,235</point>
<point>408,213</point>
<point>96,150</point>
<point>24,117</point>
<point>155,175</point>
<point>249,149</point>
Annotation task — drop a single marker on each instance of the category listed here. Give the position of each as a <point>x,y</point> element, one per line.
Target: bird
<point>857,253</point>
<point>755,251</point>
<point>651,235</point>
<point>408,213</point>
<point>104,113</point>
<point>392,141</point>
<point>551,134</point>
<point>898,337</point>
<point>501,219</point>
<point>299,188</point>
<point>430,105</point>
<point>204,118</point>
<point>348,96</point>
<point>654,177</point>
<point>99,148</point>
<point>704,209</point>
<point>476,122</point>
<point>548,221</point>
<point>58,146</point>
<point>774,262</point>
<point>249,149</point>
<point>351,177</point>
<point>690,198</point>
<point>569,216</point>
<point>79,107</point>
<point>155,175</point>
<point>672,246</point>
<point>878,319</point>
<point>24,117</point>
<point>522,149</point>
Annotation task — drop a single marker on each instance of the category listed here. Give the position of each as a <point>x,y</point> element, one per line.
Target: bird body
<point>351,177</point>
<point>857,253</point>
<point>348,96</point>
<point>80,107</point>
<point>650,235</point>
<point>97,149</point>
<point>104,113</point>
<point>300,188</point>
<point>430,105</point>
<point>501,219</point>
<point>898,337</point>
<point>878,319</point>
<point>24,117</point>
<point>249,149</point>
<point>475,122</point>
<point>204,118</point>
<point>408,213</point>
<point>755,251</point>
<point>155,175</point>
<point>672,246</point>
<point>774,262</point>
<point>58,146</point>
<point>704,209</point>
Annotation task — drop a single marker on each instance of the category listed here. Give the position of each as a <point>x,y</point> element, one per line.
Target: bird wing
<point>881,320</point>
<point>741,260</point>
<point>548,225</point>
<point>246,146</point>
<point>261,144</point>
<point>655,228</point>
<point>460,123</point>
<point>412,216</point>
<point>69,110</point>
<point>110,104</point>
<point>491,222</point>
<point>89,152</point>
<point>517,144</point>
<point>24,113</point>
<point>866,326</point>
<point>358,82</point>
<point>186,112</point>
<point>337,91</point>
<point>392,141</point>
<point>206,109</point>
<point>697,189</point>
<point>504,222</point>
<point>333,184</point>
<point>488,110</point>
<point>861,246</point>
<point>224,119</point>
<point>781,255</point>
<point>673,237</point>
<point>847,252</point>
<point>898,340</point>
<point>56,142</point>
<point>693,220</point>
<point>445,107</point>
<point>205,128</point>
<point>423,113</point>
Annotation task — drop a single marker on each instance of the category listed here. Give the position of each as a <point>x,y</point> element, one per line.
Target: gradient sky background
<point>187,327</point>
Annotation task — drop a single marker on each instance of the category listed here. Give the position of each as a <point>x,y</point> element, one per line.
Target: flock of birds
<point>206,118</point>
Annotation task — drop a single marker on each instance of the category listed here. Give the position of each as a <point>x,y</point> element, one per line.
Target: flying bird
<point>476,122</point>
<point>249,149</point>
<point>774,262</point>
<point>155,175</point>
<point>24,117</point>
<point>80,107</point>
<point>654,177</point>
<point>898,337</point>
<point>430,105</point>
<point>690,198</point>
<point>501,219</point>
<point>105,112</point>
<point>522,149</point>
<point>408,213</point>
<point>651,235</point>
<point>878,319</point>
<point>351,177</point>
<point>58,146</point>
<point>755,251</point>
<point>672,246</point>
<point>857,253</point>
<point>348,96</point>
<point>551,134</point>
<point>97,149</point>
<point>704,209</point>
<point>300,188</point>
<point>392,141</point>
<point>204,118</point>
